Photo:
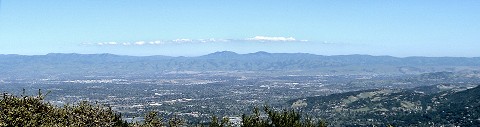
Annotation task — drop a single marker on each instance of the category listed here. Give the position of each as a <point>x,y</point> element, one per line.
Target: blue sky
<point>197,27</point>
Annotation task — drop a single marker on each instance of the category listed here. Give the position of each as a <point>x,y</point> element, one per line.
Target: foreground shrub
<point>272,118</point>
<point>33,111</point>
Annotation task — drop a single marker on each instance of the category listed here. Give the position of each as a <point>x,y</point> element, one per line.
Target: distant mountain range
<point>85,64</point>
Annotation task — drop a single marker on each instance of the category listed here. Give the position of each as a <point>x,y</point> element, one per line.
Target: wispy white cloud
<point>160,42</point>
<point>213,40</point>
<point>183,40</point>
<point>210,40</point>
<point>156,42</point>
<point>139,43</point>
<point>266,38</point>
<point>126,43</point>
<point>105,43</point>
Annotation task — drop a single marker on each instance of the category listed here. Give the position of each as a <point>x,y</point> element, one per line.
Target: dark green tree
<point>272,118</point>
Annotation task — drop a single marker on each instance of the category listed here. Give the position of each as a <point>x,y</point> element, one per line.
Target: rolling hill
<point>444,104</point>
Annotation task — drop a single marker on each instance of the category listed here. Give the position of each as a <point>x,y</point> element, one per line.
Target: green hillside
<point>445,104</point>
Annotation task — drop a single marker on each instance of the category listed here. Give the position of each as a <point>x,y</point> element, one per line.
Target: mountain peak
<point>223,54</point>
<point>261,52</point>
